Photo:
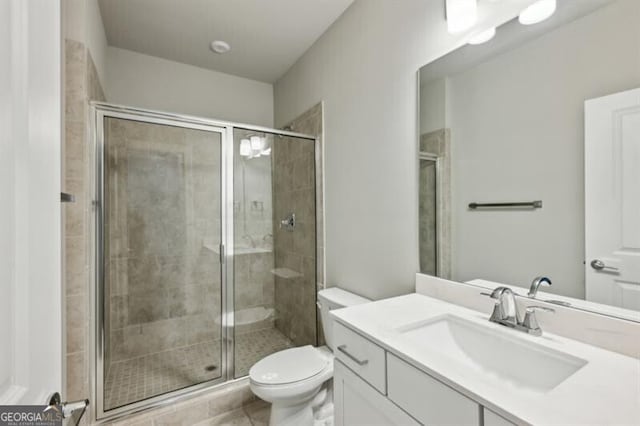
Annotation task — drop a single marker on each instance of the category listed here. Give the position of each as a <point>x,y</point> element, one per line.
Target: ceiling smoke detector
<point>219,46</point>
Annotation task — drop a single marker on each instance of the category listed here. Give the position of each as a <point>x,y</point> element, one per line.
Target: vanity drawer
<point>362,356</point>
<point>426,399</point>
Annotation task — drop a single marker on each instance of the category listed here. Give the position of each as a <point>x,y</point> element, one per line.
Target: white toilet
<point>291,380</point>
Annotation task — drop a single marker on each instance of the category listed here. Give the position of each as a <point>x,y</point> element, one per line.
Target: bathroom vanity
<point>415,359</point>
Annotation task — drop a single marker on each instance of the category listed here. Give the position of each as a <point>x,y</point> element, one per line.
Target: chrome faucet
<point>537,281</point>
<point>505,312</point>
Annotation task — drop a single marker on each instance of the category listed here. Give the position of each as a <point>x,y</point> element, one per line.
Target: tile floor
<point>151,375</point>
<point>254,414</point>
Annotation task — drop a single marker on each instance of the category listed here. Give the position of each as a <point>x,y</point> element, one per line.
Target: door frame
<point>31,147</point>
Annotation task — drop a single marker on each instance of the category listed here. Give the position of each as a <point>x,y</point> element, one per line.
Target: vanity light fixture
<point>537,12</point>
<point>483,36</point>
<point>461,15</point>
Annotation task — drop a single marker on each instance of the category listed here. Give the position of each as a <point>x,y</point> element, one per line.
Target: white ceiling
<point>266,36</point>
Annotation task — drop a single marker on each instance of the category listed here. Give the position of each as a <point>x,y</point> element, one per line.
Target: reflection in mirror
<point>547,115</point>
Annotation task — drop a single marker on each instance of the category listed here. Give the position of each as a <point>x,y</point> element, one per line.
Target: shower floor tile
<point>252,347</point>
<point>140,378</point>
<point>152,375</point>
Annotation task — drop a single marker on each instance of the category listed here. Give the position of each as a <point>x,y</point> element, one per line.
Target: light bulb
<point>245,147</point>
<point>537,12</point>
<point>256,143</point>
<point>461,15</point>
<point>483,37</point>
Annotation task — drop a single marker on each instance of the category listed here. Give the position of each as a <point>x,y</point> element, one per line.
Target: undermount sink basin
<point>494,354</point>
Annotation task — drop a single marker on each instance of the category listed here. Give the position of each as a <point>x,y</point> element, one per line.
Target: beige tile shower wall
<point>162,232</point>
<point>297,188</point>
<point>311,123</point>
<point>254,283</point>
<point>81,85</point>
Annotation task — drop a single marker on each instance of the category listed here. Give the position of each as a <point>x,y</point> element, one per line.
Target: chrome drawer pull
<point>343,349</point>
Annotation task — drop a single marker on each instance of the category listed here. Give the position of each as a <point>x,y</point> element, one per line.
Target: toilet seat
<point>289,366</point>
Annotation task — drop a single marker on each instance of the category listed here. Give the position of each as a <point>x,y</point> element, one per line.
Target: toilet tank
<point>335,298</point>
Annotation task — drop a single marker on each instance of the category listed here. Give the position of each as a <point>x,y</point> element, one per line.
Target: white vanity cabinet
<point>357,403</point>
<point>374,387</point>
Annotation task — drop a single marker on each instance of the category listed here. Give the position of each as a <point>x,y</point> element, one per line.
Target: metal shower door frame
<point>98,112</point>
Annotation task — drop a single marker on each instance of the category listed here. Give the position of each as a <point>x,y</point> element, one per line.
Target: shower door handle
<point>65,197</point>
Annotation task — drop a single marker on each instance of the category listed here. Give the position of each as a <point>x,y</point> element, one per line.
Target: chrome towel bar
<point>526,204</point>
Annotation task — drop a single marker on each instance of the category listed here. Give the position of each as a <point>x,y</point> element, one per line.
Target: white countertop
<point>606,391</point>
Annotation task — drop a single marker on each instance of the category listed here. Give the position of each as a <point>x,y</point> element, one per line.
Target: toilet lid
<point>289,366</point>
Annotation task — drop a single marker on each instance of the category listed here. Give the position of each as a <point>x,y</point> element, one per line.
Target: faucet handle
<point>505,310</point>
<point>530,322</point>
<point>533,308</point>
<point>497,292</point>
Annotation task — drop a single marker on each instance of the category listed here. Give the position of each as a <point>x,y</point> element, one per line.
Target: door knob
<point>599,265</point>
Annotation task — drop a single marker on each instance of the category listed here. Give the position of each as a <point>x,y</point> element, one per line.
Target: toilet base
<point>292,415</point>
<point>302,413</point>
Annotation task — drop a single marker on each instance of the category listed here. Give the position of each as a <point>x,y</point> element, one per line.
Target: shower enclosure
<point>205,252</point>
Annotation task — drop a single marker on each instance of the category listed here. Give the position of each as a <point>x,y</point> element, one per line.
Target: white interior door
<point>612,199</point>
<point>30,141</point>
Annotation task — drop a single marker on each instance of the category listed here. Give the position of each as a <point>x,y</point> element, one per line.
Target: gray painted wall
<point>364,68</point>
<point>149,82</point>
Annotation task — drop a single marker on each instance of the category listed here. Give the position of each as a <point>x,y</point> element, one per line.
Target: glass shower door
<point>161,238</point>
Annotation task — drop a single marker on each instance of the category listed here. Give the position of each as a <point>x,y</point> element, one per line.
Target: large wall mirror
<point>530,158</point>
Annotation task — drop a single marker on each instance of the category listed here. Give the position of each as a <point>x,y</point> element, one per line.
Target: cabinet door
<point>359,404</point>
<point>427,399</point>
